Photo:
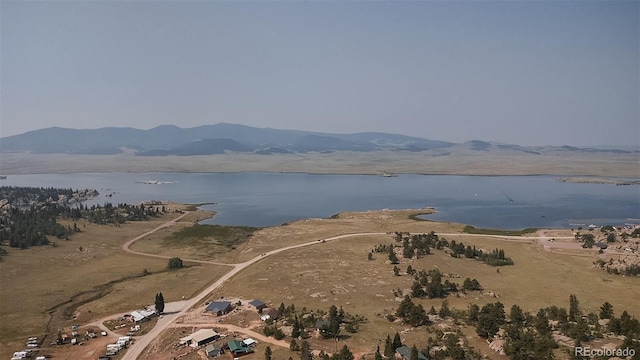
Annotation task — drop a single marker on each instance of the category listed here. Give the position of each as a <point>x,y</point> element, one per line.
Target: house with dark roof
<point>270,313</point>
<point>258,304</point>
<point>404,353</point>
<point>219,307</point>
<point>321,323</point>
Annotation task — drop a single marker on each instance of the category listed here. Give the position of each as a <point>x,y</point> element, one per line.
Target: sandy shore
<point>373,163</point>
<point>592,180</point>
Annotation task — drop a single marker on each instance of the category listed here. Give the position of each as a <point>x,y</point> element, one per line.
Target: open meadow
<point>87,277</point>
<point>457,162</point>
<point>103,280</point>
<point>338,273</point>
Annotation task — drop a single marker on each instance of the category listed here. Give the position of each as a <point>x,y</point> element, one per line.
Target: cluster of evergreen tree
<point>159,303</point>
<point>527,336</point>
<point>331,328</point>
<point>530,336</point>
<point>110,214</point>
<point>30,227</point>
<point>412,314</point>
<point>333,321</point>
<point>610,234</point>
<point>22,196</point>
<point>448,347</point>
<point>175,263</point>
<point>382,248</point>
<point>528,341</point>
<point>587,240</point>
<point>471,284</point>
<point>626,270</point>
<point>390,347</point>
<point>304,348</point>
<point>494,258</point>
<point>419,245</point>
<point>429,284</point>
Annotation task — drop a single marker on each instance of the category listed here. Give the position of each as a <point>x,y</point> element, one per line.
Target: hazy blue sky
<point>530,73</point>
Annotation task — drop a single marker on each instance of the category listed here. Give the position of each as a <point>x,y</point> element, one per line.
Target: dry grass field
<point>327,273</point>
<point>41,280</point>
<point>458,162</point>
<point>339,273</point>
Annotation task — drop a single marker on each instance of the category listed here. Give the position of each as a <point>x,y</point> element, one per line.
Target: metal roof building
<point>219,307</point>
<point>200,337</point>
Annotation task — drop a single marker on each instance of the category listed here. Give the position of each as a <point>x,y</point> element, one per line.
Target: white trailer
<point>125,338</point>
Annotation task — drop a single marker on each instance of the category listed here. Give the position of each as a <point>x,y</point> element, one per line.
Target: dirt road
<point>136,349</point>
<point>178,309</point>
<point>127,245</point>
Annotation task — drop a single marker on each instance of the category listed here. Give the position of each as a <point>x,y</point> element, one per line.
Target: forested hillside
<point>29,216</point>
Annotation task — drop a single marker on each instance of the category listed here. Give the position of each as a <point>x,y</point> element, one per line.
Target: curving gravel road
<point>177,309</point>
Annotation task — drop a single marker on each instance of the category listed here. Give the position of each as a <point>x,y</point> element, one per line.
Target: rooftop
<point>218,306</point>
<point>257,303</point>
<point>203,334</point>
<point>405,352</point>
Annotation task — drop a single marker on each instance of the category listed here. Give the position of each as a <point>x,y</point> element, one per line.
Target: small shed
<point>404,353</point>
<point>249,342</point>
<point>219,307</point>
<point>258,304</point>
<point>213,350</point>
<point>321,323</point>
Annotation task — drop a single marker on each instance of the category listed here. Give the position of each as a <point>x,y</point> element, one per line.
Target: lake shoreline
<point>598,180</point>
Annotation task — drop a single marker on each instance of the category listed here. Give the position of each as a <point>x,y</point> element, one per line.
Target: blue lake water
<point>268,199</point>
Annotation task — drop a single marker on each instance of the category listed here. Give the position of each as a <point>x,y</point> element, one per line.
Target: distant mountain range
<point>223,138</point>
